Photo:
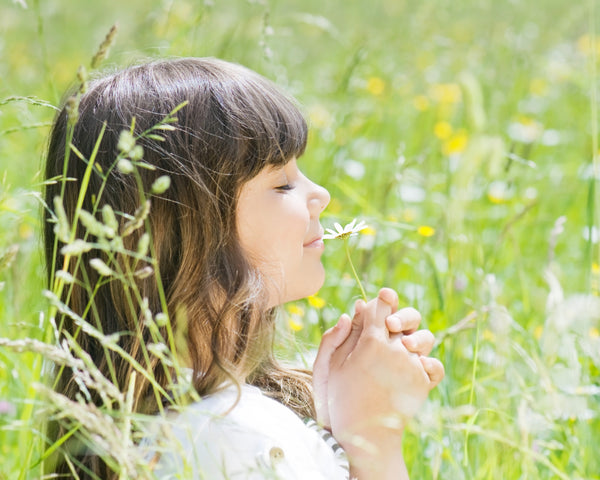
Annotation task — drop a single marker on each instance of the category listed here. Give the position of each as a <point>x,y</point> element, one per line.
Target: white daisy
<point>350,230</point>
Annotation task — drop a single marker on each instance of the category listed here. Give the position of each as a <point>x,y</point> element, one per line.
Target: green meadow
<point>465,135</point>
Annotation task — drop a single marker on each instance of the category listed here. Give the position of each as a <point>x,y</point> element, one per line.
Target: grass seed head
<point>105,46</point>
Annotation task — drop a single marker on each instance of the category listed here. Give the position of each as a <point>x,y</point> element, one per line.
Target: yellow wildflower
<point>425,59</point>
<point>538,87</point>
<point>295,309</point>
<point>594,333</point>
<point>456,143</point>
<point>368,231</point>
<point>421,103</point>
<point>426,231</point>
<point>538,331</point>
<point>488,335</point>
<point>316,301</point>
<point>595,268</point>
<point>498,192</point>
<point>25,231</point>
<point>586,46</point>
<point>525,120</point>
<point>295,324</point>
<point>9,204</point>
<point>375,86</point>
<point>494,199</point>
<point>446,93</point>
<point>408,215</point>
<point>319,116</point>
<point>296,312</point>
<point>442,130</point>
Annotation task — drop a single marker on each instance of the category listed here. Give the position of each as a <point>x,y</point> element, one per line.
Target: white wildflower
<point>350,230</point>
<point>525,131</point>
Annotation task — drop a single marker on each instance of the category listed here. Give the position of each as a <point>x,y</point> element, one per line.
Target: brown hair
<point>234,124</point>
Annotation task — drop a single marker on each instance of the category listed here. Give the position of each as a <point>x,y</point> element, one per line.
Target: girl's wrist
<point>375,453</point>
<point>390,469</point>
<point>383,465</point>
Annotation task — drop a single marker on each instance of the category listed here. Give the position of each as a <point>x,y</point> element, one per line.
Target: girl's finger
<point>377,311</point>
<point>351,340</point>
<point>420,342</point>
<point>390,297</point>
<point>434,368</point>
<point>405,320</point>
<point>331,340</point>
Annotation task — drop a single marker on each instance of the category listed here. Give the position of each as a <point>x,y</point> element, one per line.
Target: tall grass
<point>464,133</point>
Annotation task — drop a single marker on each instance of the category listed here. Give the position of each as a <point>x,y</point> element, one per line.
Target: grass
<point>464,133</point>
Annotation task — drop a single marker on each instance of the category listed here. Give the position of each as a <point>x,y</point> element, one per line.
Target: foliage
<point>464,133</point>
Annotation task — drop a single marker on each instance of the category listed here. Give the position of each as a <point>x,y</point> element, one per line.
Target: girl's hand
<point>403,323</point>
<point>374,382</point>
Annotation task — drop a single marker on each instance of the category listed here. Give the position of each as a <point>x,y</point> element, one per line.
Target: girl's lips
<point>317,243</point>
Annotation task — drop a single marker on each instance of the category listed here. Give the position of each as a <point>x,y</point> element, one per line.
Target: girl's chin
<point>299,291</point>
<point>298,296</point>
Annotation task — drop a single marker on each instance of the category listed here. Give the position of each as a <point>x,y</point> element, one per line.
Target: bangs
<point>276,128</point>
<point>264,125</point>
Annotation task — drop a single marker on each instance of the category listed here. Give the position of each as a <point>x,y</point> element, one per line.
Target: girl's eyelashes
<point>285,187</point>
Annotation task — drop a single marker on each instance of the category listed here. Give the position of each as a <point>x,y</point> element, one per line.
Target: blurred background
<point>464,133</point>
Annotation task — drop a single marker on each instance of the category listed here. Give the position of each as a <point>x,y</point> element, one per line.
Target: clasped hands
<point>372,373</point>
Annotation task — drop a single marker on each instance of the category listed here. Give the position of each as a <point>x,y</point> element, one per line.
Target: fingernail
<point>344,318</point>
<point>382,294</point>
<point>358,305</point>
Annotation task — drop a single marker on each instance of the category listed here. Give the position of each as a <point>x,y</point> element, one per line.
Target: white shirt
<point>259,439</point>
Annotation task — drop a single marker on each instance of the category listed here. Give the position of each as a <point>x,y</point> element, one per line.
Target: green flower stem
<point>362,290</point>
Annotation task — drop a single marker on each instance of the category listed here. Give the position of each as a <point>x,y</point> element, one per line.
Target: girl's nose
<point>319,199</point>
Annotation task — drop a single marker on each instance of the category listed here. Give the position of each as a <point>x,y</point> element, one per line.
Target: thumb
<point>331,340</point>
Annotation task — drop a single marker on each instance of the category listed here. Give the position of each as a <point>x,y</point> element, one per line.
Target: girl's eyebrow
<point>274,168</point>
<point>275,171</point>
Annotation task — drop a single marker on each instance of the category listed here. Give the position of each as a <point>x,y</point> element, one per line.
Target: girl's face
<point>278,227</point>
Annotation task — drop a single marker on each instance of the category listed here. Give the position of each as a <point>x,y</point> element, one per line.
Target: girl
<point>236,234</point>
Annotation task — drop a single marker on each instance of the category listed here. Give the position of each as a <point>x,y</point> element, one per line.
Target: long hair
<point>231,123</point>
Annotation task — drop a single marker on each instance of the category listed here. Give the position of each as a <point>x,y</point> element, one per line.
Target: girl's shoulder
<point>255,438</point>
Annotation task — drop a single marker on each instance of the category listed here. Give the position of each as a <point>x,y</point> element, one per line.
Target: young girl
<point>235,235</point>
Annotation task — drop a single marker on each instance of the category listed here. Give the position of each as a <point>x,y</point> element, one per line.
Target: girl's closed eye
<point>286,187</point>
